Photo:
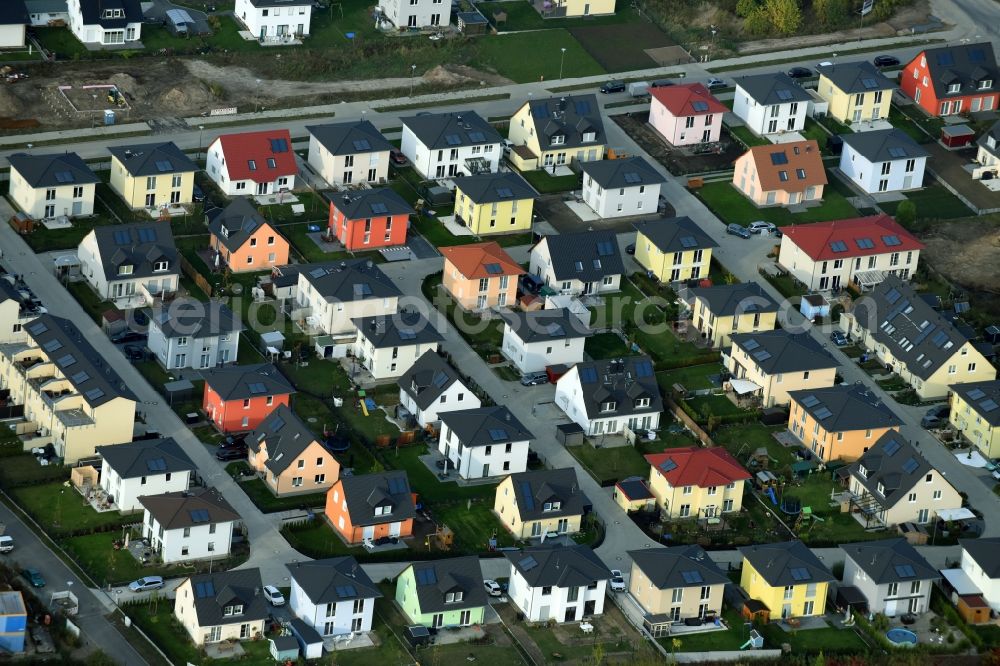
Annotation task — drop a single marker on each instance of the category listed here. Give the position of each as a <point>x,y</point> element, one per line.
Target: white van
<point>6,544</point>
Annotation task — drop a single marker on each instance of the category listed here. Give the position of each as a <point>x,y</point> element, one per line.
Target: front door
<point>77,207</point>
<point>890,607</point>
<point>486,470</point>
<point>263,31</point>
<point>395,529</point>
<point>368,532</point>
<point>206,360</point>
<point>438,620</point>
<point>261,188</point>
<point>836,282</point>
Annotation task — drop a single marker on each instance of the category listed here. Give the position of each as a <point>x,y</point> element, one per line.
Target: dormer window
<point>252,164</point>
<point>232,609</point>
<point>954,87</point>
<point>113,14</point>
<point>642,402</point>
<point>985,83</point>
<point>126,269</point>
<point>383,510</point>
<point>160,266</point>
<point>590,136</point>
<point>881,489</point>
<point>558,139</point>
<point>863,471</point>
<point>454,597</point>
<point>609,406</point>
<point>552,506</point>
<point>991,142</point>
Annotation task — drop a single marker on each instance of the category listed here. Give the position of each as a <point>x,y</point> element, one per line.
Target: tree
<point>785,15</point>
<point>831,13</point>
<point>745,8</point>
<point>757,22</point>
<point>906,213</point>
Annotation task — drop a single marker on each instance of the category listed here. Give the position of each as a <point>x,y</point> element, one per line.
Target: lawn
<point>622,48</point>
<point>716,405</point>
<point>729,639</point>
<point>743,440</point>
<point>297,235</point>
<point>607,635</point>
<point>484,336</point>
<point>835,527</point>
<point>606,345</point>
<point>61,42</point>
<point>608,465</point>
<point>318,540</point>
<point>89,300</point>
<point>933,202</point>
<point>787,285</point>
<point>546,183</point>
<point>426,484</point>
<point>61,510</point>
<point>267,502</point>
<point>532,56</point>
<point>828,640</point>
<point>692,377</point>
<point>732,207</point>
<point>743,134</point>
<point>473,523</point>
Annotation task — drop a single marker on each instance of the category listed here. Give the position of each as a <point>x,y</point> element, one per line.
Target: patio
<point>582,210</point>
<point>451,635</point>
<point>434,461</point>
<point>224,650</point>
<point>140,550</point>
<point>455,227</point>
<point>870,125</point>
<point>351,641</point>
<point>98,498</point>
<point>803,623</point>
<point>278,198</point>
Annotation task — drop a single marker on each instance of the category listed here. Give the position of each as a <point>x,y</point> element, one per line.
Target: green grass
<point>903,122</point>
<point>787,285</point>
<point>89,300</point>
<point>729,639</point>
<point>484,336</point>
<point>743,134</point>
<point>96,554</point>
<point>267,502</point>
<point>836,527</point>
<point>719,405</point>
<point>581,650</point>
<point>732,207</point>
<point>473,524</point>
<point>828,640</point>
<point>60,509</point>
<point>933,202</point>
<point>693,377</point>
<point>529,56</point>
<point>606,345</point>
<point>608,465</point>
<point>743,440</point>
<point>61,42</point>
<point>318,540</point>
<point>816,132</point>
<point>546,183</point>
<point>834,125</point>
<point>426,484</point>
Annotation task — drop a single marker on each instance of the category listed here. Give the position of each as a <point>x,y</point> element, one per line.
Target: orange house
<point>781,174</point>
<point>239,397</point>
<point>839,422</point>
<point>244,240</point>
<point>371,506</point>
<point>369,219</point>
<point>480,275</point>
<point>287,455</point>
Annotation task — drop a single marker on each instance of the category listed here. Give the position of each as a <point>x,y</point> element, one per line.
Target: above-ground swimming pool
<point>900,636</point>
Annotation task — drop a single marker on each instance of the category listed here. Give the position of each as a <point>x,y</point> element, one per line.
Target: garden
<point>732,207</point>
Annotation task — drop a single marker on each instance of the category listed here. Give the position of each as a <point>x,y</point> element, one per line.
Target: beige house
<point>388,345</point>
<point>225,606</point>
<point>856,91</point>
<point>533,504</point>
<point>555,131</point>
<point>48,186</point>
<point>674,584</point>
<point>288,456</point>
<point>721,310</point>
<point>693,482</point>
<point>152,175</point>
<point>772,363</point>
<point>785,174</point>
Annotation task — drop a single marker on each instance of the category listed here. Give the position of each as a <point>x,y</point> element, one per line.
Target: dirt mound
<point>191,97</point>
<point>128,85</point>
<point>456,75</point>
<point>442,77</point>
<point>10,105</point>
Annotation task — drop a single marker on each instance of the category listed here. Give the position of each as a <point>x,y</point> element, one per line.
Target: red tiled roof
<point>679,100</point>
<point>818,239</point>
<point>240,149</point>
<point>471,260</point>
<point>696,466</point>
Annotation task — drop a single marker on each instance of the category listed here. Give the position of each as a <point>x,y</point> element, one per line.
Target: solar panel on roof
<point>147,235</point>
<point>504,192</point>
<point>52,345</point>
<point>527,563</point>
<point>779,157</point>
<point>426,576</point>
<point>364,288</point>
<point>689,242</point>
<point>440,379</point>
<point>156,465</point>
<point>529,501</point>
<point>911,465</point>
<point>905,571</point>
<point>823,413</point>
<point>891,241</point>
<point>256,388</point>
<point>945,59</point>
<point>346,591</point>
<point>204,589</point>
<point>397,485</point>
<point>838,246</point>
<point>605,248</point>
<point>897,151</point>
<point>870,84</point>
<point>892,296</point>
<point>279,146</point>
<point>699,105</point>
<point>498,434</point>
<point>588,375</point>
<point>452,139</point>
<point>668,465</point>
<point>379,208</point>
<point>939,339</point>
<point>692,577</point>
<point>121,237</point>
<point>94,394</point>
<point>643,368</point>
<point>494,269</point>
<point>977,55</point>
<point>581,106</point>
<point>632,177</point>
<point>79,377</point>
<point>362,144</point>
<point>539,111</point>
<point>555,330</point>
<point>407,334</point>
<point>762,355</point>
<point>864,243</point>
<point>198,515</point>
<point>64,177</point>
<point>975,394</point>
<point>477,136</point>
<point>784,94</point>
<point>317,272</point>
<point>277,423</point>
<point>891,447</point>
<point>37,328</point>
<point>800,573</point>
<point>988,405</point>
<point>810,401</point>
<point>163,166</point>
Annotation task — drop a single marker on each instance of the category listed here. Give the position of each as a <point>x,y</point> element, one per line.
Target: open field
<point>621,47</point>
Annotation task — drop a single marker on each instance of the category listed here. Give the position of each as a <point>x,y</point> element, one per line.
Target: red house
<point>953,79</point>
<point>239,397</point>
<point>368,219</point>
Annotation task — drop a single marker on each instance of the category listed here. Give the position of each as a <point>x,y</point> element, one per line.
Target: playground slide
<point>364,407</point>
<point>774,499</point>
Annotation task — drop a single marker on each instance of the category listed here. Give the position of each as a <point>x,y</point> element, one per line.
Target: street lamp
<point>257,101</point>
<point>413,72</point>
<point>562,58</point>
<point>201,131</point>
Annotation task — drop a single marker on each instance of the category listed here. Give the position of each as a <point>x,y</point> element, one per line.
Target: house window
<point>454,597</point>
<point>319,478</point>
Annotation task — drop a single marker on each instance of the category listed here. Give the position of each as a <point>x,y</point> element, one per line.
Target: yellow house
<point>533,504</point>
<point>855,91</point>
<point>494,203</point>
<point>692,482</point>
<point>839,422</point>
<point>552,132</point>
<point>721,310</point>
<point>786,577</point>
<point>224,606</point>
<point>673,249</point>
<point>974,413</point>
<point>152,175</point>
<point>674,584</point>
<point>574,8</point>
<point>776,362</point>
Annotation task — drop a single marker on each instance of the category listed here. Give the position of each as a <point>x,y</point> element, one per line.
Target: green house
<point>445,593</point>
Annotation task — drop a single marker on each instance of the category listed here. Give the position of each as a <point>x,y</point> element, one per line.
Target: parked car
<point>197,193</point>
<point>134,353</point>
<point>886,61</point>
<point>33,577</point>
<point>630,248</point>
<point>935,416</point>
<point>760,226</point>
<point>397,157</point>
<point>661,83</point>
<point>715,83</point>
<point>737,230</point>
<point>274,595</point>
<point>127,335</point>
<point>234,442</point>
<point>146,583</point>
<point>617,581</point>
<point>799,72</point>
<point>839,338</point>
<point>534,378</point>
<point>6,544</point>
<point>615,86</point>
<point>492,587</point>
<point>224,455</point>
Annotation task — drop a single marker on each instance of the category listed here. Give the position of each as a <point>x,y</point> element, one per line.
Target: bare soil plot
<point>620,48</point>
<point>678,162</point>
<point>966,251</point>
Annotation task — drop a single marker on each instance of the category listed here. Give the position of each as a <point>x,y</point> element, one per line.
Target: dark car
<point>613,87</point>
<point>737,230</point>
<point>134,353</point>
<point>230,454</point>
<point>534,379</point>
<point>234,442</point>
<point>935,416</point>
<point>630,248</point>
<point>197,193</point>
<point>661,83</point>
<point>127,336</point>
<point>839,338</point>
<point>799,72</point>
<point>886,61</point>
<point>33,577</point>
<point>397,157</point>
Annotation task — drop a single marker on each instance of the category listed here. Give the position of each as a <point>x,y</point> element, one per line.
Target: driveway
<point>158,11</point>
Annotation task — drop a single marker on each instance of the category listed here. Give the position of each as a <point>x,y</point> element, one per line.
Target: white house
<point>891,574</point>
<point>388,345</point>
<point>605,397</point>
<point>130,264</point>
<point>535,340</point>
<point>99,23</point>
<point>484,442</point>
<point>274,21</point>
<point>13,22</point>
<point>416,13</point>
<point>331,296</point>
<point>886,160</point>
<point>559,583</point>
<point>188,525</point>
<point>430,386</point>
<point>981,564</point>
<point>347,153</point>
<point>143,467</point>
<point>190,334</point>
<point>621,188</point>
<point>586,262</point>
<point>460,143</point>
<point>252,163</point>
<point>333,596</point>
<point>771,103</point>
<point>47,186</point>
<point>45,13</point>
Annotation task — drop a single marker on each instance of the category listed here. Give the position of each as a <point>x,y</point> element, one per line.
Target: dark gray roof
<point>354,280</point>
<point>361,204</point>
<point>846,407</point>
<point>285,435</point>
<point>727,300</point>
<point>194,319</point>
<point>627,172</point>
<point>620,381</point>
<point>451,130</point>
<point>428,378</point>
<point>587,256</point>
<point>80,363</point>
<point>140,244</point>
<point>983,552</point>
<point>678,566</point>
<point>45,6</point>
<point>917,333</point>
<point>890,561</point>
<point>558,565</point>
<point>401,329</point>
<point>239,587</point>
<point>52,170</point>
<point>675,234</point>
<point>146,457</point>
<point>455,574</point>
<point>332,580</point>
<point>238,382</point>
<point>545,325</point>
<point>776,88</point>
<point>189,508</point>
<point>496,187</point>
<point>305,632</point>
<point>635,488</point>
<point>895,464</point>
<point>982,397</point>
<point>533,489</point>
<point>153,159</point>
<point>280,3</point>
<point>779,351</point>
<point>13,12</point>
<point>569,116</point>
<point>964,64</point>
<point>93,12</point>
<point>485,426</point>
<point>365,492</point>
<point>234,224</point>
<point>286,276</point>
<point>885,145</point>
<point>860,76</point>
<point>350,138</point>
<point>992,135</point>
<point>786,563</point>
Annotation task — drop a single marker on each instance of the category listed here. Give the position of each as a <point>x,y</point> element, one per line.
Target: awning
<point>955,514</point>
<point>869,278</point>
<point>742,386</point>
<point>960,581</point>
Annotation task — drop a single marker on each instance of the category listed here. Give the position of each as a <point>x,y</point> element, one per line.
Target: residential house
<point>557,583</point>
<point>981,564</point>
<point>555,131</point>
<point>245,241</point>
<point>480,275</point>
<point>431,386</point>
<point>623,187</point>
<point>371,506</point>
<point>771,103</point>
<point>777,362</point>
<point>47,13</point>
<point>891,574</point>
<point>673,249</point>
<point>72,398</point>
<point>388,345</point>
<point>584,262</point>
<point>48,186</point>
<point>692,482</point>
<point>13,621</point>
<point>416,13</point>
<point>540,503</point>
<point>192,334</point>
<point>334,596</point>
<point>349,153</point>
<point>988,153</point>
<point>152,175</point>
<point>855,92</point>
<point>632,494</point>
<point>912,339</point>
<point>16,310</point>
<point>132,264</point>
<point>886,160</point>
<point>221,606</point>
<point>952,79</point>
<point>332,295</point>
<point>275,21</point>
<point>102,24</point>
<point>892,484</point>
<point>574,8</point>
<point>289,457</point>
<point>721,310</point>
<point>238,397</point>
<point>252,163</point>
<point>450,144</point>
<point>785,174</point>
<point>143,467</point>
<point>494,203</point>
<point>839,422</point>
<point>974,413</point>
<point>786,576</point>
<point>686,114</point>
<point>443,593</point>
<point>14,20</point>
<point>675,584</point>
<point>861,251</point>
<point>535,340</point>
<point>483,442</point>
<point>188,525</point>
<point>606,397</point>
<point>369,219</point>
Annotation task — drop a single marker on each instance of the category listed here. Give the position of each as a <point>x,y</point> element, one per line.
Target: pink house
<point>686,114</point>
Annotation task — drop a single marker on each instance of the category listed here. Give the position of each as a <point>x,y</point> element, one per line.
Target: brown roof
<point>791,167</point>
<point>472,260</point>
<point>189,508</point>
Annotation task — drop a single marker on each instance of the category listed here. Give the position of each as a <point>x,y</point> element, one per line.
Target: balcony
<point>74,418</point>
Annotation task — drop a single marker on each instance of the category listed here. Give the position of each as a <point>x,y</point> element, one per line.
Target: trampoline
<point>791,506</point>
